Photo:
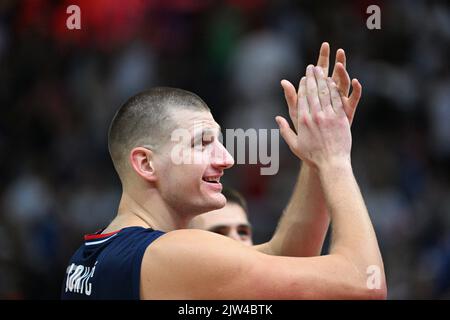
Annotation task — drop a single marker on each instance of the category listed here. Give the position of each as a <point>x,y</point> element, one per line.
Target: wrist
<point>343,165</point>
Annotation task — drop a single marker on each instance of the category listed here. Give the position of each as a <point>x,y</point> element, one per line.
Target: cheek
<point>187,175</point>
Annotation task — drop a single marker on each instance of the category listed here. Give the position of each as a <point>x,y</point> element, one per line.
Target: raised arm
<point>305,220</point>
<point>194,264</point>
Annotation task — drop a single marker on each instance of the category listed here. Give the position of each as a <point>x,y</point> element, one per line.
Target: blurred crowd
<point>60,89</point>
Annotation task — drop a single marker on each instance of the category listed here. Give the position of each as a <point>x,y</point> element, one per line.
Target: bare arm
<point>303,226</point>
<point>353,235</point>
<point>196,264</point>
<point>305,220</point>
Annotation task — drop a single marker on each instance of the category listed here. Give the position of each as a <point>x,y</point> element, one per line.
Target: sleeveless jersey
<point>108,266</point>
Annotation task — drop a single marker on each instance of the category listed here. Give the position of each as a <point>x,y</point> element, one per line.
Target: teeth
<point>212,179</point>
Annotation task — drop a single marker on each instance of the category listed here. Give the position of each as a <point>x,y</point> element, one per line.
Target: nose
<point>221,157</point>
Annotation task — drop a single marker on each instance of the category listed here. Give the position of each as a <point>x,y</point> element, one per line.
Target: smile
<point>214,179</point>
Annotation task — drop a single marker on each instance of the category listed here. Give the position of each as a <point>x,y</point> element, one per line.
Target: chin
<point>214,199</point>
<point>215,202</point>
<point>223,201</point>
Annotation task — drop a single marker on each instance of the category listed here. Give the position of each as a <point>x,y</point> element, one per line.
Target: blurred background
<point>60,88</point>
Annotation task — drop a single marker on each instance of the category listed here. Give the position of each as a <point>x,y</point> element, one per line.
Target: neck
<point>148,211</point>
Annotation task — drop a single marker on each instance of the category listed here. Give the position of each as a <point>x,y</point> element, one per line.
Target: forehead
<point>232,214</point>
<point>190,119</point>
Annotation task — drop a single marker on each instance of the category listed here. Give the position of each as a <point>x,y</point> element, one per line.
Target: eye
<point>220,230</point>
<point>206,139</point>
<point>244,231</point>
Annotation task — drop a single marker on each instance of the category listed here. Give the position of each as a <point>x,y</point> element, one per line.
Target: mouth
<point>212,182</point>
<point>212,179</point>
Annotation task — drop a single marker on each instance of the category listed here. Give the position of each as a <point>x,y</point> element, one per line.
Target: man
<point>144,254</point>
<point>230,221</point>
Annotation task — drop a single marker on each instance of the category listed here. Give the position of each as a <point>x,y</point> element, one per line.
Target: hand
<point>323,130</point>
<point>340,77</point>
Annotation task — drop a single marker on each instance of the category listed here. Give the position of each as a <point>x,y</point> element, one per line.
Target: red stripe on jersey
<point>99,236</point>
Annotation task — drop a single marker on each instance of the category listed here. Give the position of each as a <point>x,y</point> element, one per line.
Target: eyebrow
<point>199,134</point>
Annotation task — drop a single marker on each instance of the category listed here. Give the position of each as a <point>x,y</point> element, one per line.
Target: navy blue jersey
<point>108,266</point>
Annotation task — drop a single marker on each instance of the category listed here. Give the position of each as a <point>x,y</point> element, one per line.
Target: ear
<point>142,162</point>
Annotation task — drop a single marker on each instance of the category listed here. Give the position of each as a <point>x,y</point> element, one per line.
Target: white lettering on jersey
<point>78,277</point>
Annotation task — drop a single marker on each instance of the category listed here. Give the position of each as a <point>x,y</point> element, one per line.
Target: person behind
<point>146,252</point>
<point>230,221</point>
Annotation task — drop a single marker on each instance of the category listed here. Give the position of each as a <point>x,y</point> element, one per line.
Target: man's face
<point>189,168</point>
<point>230,221</point>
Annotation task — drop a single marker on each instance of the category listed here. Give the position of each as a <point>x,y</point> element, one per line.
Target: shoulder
<point>189,263</point>
<point>185,242</point>
<point>196,247</point>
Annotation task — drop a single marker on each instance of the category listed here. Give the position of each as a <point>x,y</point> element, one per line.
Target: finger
<point>324,92</point>
<point>286,132</point>
<point>311,91</point>
<point>303,107</point>
<point>324,58</point>
<point>350,105</point>
<point>341,78</point>
<point>335,97</point>
<point>356,94</point>
<point>340,57</point>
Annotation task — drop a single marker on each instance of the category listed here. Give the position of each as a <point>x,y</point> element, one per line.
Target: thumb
<point>289,93</point>
<point>356,93</point>
<point>287,133</point>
